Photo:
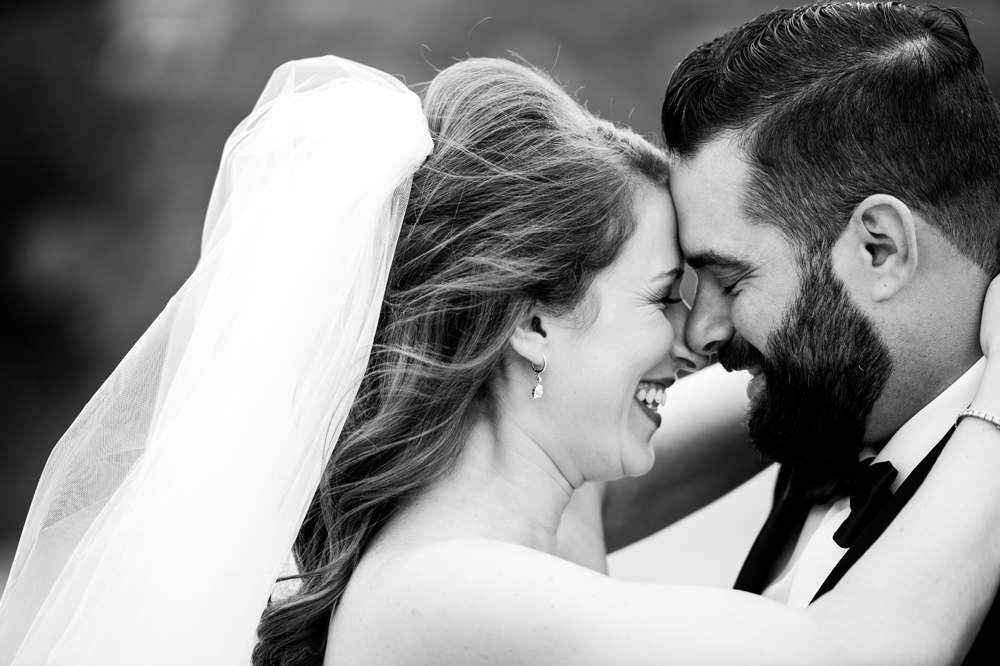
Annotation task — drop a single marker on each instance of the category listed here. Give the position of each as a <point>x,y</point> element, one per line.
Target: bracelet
<point>979,415</point>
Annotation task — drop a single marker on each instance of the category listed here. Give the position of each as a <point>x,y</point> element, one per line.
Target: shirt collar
<point>924,430</point>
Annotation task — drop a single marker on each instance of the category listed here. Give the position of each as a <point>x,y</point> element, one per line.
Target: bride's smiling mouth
<point>651,395</point>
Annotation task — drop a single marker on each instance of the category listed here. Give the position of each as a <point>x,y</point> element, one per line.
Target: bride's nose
<point>687,359</point>
<point>684,357</point>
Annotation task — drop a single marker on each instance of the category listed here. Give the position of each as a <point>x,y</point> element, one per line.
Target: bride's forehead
<point>656,224</point>
<point>653,248</point>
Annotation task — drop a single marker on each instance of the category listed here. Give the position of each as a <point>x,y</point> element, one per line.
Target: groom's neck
<point>915,381</point>
<point>931,329</point>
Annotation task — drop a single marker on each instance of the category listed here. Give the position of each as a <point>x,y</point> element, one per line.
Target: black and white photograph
<point>455,332</point>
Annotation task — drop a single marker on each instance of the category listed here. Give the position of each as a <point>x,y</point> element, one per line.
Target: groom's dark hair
<point>831,103</point>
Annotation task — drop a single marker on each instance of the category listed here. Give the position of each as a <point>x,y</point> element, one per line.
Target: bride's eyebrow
<point>713,259</point>
<point>675,273</point>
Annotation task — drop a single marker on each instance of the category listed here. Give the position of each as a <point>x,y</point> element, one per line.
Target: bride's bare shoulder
<point>461,599</point>
<point>461,570</point>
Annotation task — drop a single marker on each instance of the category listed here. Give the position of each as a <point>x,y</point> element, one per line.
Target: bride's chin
<point>639,461</point>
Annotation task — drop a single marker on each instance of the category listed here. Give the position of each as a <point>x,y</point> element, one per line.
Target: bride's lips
<point>651,395</point>
<point>653,415</point>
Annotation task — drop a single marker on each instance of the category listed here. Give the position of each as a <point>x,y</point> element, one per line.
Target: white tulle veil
<point>168,509</point>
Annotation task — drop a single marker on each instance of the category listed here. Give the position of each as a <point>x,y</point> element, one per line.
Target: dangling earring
<point>536,392</point>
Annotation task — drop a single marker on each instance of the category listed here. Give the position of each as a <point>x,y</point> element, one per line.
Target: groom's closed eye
<point>726,270</point>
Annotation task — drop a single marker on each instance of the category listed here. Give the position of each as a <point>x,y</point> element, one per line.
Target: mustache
<point>738,354</point>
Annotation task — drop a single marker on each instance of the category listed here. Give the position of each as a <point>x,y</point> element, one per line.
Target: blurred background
<point>116,114</point>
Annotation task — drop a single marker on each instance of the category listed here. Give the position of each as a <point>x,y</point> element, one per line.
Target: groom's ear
<point>878,251</point>
<point>528,339</point>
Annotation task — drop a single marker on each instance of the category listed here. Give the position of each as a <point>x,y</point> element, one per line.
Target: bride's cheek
<point>637,449</point>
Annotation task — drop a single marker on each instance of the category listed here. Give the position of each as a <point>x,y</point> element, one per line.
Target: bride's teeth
<point>651,394</point>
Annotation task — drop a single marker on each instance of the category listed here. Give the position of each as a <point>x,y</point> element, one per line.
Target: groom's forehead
<point>714,229</point>
<point>708,190</point>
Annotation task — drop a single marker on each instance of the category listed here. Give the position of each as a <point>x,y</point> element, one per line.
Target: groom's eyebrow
<point>713,259</point>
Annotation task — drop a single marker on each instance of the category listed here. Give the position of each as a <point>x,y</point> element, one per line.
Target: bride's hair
<point>524,200</point>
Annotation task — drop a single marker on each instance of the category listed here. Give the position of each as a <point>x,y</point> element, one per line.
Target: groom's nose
<point>709,325</point>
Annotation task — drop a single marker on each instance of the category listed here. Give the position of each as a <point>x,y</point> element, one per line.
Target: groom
<point>838,194</point>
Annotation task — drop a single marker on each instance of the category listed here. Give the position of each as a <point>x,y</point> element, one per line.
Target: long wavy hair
<point>525,199</point>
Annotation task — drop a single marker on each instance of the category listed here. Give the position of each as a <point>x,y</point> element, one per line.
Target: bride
<point>411,417</point>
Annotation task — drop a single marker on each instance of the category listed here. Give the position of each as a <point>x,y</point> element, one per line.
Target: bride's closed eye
<point>671,295</point>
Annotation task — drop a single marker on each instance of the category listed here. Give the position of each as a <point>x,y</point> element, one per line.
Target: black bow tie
<point>870,487</point>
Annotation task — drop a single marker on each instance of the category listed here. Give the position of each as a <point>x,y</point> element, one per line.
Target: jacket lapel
<point>788,514</point>
<point>884,517</point>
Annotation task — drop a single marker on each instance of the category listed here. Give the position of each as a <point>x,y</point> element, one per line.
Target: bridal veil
<point>170,506</point>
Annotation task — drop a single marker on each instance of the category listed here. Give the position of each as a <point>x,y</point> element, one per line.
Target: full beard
<point>826,366</point>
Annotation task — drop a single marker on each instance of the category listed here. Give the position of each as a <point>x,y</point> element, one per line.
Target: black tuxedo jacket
<point>787,517</point>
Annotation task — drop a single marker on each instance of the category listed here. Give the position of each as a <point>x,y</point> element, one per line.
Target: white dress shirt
<point>816,553</point>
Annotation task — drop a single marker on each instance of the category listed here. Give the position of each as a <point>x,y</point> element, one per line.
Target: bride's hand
<point>989,328</point>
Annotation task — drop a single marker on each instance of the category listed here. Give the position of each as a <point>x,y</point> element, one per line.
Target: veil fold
<point>167,510</point>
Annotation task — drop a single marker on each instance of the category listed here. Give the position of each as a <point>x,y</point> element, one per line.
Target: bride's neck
<point>504,487</point>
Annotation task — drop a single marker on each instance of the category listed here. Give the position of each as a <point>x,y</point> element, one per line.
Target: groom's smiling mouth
<point>737,355</point>
<point>651,395</point>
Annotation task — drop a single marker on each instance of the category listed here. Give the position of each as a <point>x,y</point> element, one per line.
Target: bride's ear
<point>528,340</point>
<point>878,250</point>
